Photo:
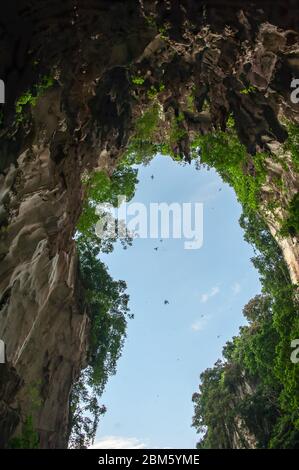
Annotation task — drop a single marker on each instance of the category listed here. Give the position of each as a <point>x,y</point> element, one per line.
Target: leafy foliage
<point>292,143</point>
<point>102,189</point>
<point>31,96</point>
<point>254,391</point>
<point>248,90</point>
<point>108,308</point>
<point>146,143</point>
<point>142,146</point>
<point>107,305</point>
<point>106,302</point>
<point>28,438</point>
<point>137,80</point>
<point>224,152</point>
<point>290,226</point>
<point>85,413</point>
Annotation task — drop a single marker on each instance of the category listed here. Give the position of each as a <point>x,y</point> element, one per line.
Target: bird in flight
<point>166,302</point>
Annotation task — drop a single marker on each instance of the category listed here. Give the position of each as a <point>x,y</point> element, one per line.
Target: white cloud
<point>236,288</point>
<point>208,295</point>
<point>209,191</point>
<point>119,442</point>
<point>200,324</point>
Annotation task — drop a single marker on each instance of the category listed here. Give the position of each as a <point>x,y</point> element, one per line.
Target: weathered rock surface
<point>10,383</point>
<point>42,323</point>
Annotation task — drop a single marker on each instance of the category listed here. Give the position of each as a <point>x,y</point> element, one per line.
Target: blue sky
<point>168,346</point>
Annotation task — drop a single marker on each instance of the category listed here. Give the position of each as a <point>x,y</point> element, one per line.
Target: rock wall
<point>42,322</point>
<point>271,193</point>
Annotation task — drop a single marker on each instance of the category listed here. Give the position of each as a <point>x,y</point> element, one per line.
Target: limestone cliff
<point>240,58</point>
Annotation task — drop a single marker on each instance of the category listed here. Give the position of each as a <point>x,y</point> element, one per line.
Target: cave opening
<point>179,327</point>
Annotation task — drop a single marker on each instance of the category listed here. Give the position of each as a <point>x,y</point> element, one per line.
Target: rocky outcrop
<point>239,59</point>
<point>42,322</point>
<point>10,383</point>
<point>282,170</point>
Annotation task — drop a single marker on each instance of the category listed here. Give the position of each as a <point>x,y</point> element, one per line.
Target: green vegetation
<point>292,143</point>
<point>230,122</point>
<point>102,189</point>
<point>163,30</point>
<point>145,143</point>
<point>248,90</point>
<point>224,152</point>
<point>191,102</point>
<point>154,91</point>
<point>290,226</point>
<point>28,438</point>
<point>138,80</point>
<point>104,299</point>
<point>31,96</point>
<point>177,131</point>
<point>142,146</point>
<point>85,413</point>
<point>276,283</point>
<point>255,388</point>
<point>253,393</point>
<point>107,305</point>
<point>106,302</point>
<point>151,21</point>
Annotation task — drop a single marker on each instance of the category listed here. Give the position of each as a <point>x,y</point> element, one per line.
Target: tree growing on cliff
<point>106,302</point>
<point>256,382</point>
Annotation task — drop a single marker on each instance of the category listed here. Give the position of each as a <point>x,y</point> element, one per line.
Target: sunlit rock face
<point>84,122</point>
<point>290,181</point>
<point>42,322</point>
